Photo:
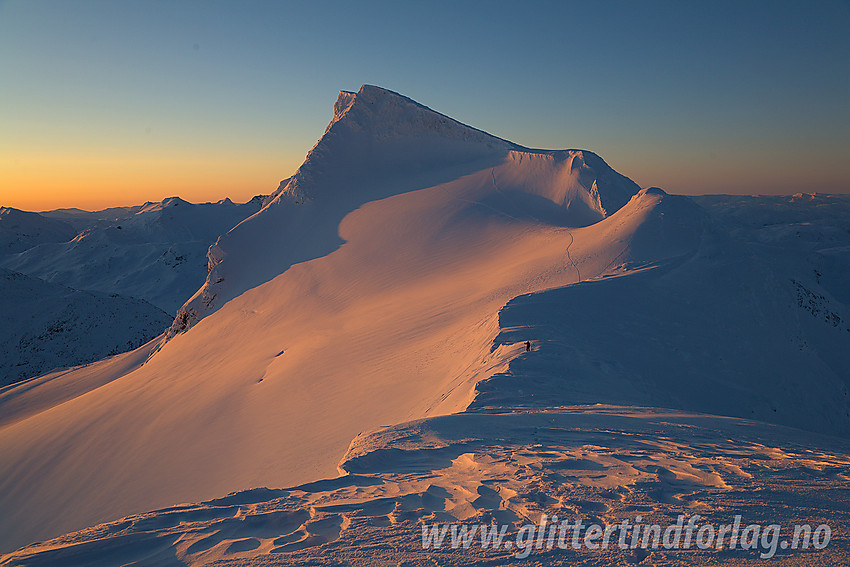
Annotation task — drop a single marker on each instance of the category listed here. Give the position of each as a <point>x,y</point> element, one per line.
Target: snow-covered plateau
<point>428,325</point>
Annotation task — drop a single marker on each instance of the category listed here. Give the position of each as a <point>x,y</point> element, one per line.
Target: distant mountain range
<point>85,285</point>
<point>156,251</point>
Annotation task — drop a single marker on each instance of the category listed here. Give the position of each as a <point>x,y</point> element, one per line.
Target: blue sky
<point>114,102</point>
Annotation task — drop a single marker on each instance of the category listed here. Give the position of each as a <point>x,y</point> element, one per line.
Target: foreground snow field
<point>385,295</point>
<point>603,464</point>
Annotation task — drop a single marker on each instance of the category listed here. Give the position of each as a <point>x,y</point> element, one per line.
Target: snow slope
<point>155,252</point>
<point>20,230</point>
<point>396,277</point>
<point>601,464</point>
<point>726,331</point>
<point>45,325</point>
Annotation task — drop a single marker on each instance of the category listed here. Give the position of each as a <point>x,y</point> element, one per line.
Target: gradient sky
<point>108,103</point>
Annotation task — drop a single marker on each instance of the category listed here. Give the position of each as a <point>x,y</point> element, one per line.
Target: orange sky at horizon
<point>92,182</point>
<point>118,103</point>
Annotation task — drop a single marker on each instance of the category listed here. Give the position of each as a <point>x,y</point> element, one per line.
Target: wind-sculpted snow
<point>600,464</point>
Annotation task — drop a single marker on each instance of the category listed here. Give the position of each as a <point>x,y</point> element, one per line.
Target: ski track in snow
<point>479,203</point>
<point>501,212</point>
<point>573,262</point>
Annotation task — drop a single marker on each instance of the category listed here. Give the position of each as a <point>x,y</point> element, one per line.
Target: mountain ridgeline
<point>379,144</point>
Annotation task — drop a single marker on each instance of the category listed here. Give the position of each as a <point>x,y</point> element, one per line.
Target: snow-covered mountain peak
<point>154,251</point>
<point>387,114</point>
<point>20,230</point>
<point>497,299</point>
<point>376,132</point>
<point>381,144</point>
<point>167,202</point>
<point>342,104</point>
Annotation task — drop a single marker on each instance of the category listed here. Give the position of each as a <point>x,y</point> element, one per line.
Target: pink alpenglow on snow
<point>359,362</point>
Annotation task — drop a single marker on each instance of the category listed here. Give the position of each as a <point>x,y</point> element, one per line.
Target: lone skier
<point>527,346</point>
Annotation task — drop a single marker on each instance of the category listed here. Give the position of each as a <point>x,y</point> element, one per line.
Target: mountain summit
<point>377,131</point>
<point>380,144</point>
